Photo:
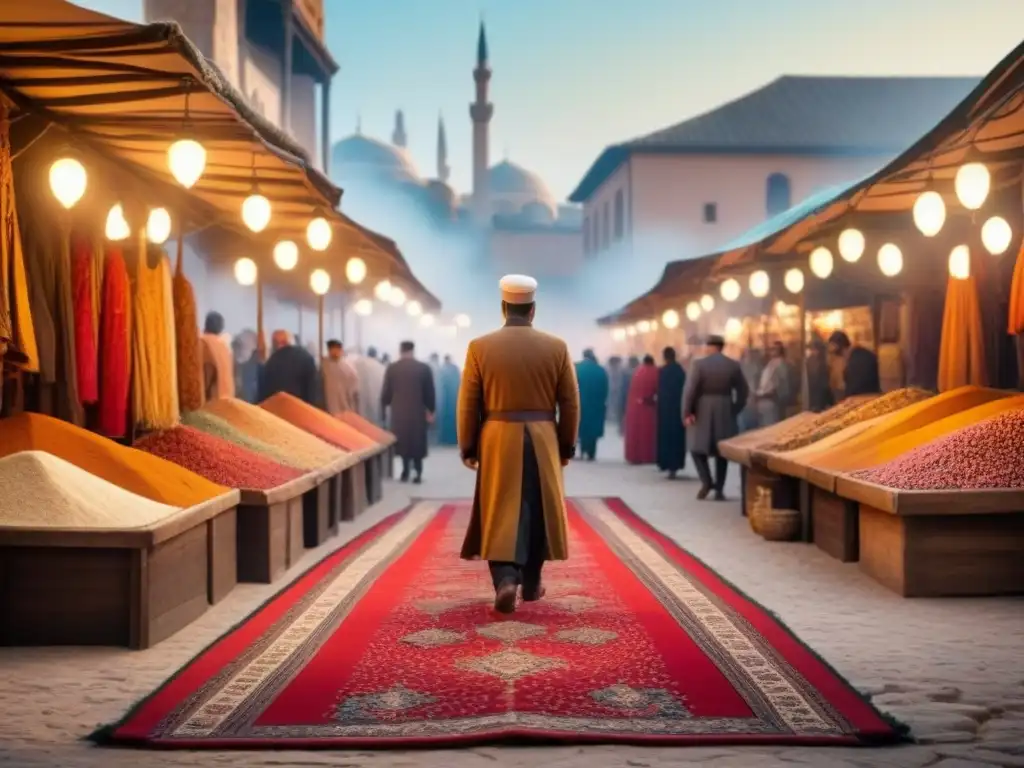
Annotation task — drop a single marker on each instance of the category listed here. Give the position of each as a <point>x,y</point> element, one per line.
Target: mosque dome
<point>362,154</point>
<point>514,184</point>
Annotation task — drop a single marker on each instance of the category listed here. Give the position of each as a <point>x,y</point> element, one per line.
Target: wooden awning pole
<point>320,327</point>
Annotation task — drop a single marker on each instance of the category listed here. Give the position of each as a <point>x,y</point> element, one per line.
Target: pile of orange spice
<point>317,422</point>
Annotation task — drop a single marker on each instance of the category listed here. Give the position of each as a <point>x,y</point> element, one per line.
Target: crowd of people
<point>690,404</point>
<point>415,400</point>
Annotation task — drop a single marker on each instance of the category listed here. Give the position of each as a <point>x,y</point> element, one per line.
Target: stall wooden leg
<point>835,527</point>
<point>334,486</point>
<point>349,503</point>
<point>263,536</point>
<point>943,555</point>
<point>316,515</point>
<point>743,490</point>
<point>806,512</point>
<point>223,555</point>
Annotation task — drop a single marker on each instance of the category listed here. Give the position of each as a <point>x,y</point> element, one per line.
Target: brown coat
<point>516,368</point>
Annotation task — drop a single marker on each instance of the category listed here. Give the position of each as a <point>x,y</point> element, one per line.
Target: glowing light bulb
<point>187,160</point>
<point>733,328</point>
<point>851,245</point>
<point>382,290</point>
<point>822,262</point>
<point>397,297</point>
<point>364,307</point>
<point>631,330</point>
<point>670,319</point>
<point>619,334</point>
<point>707,302</point>
<point>158,226</point>
<point>286,255</point>
<point>644,326</point>
<point>960,262</point>
<point>462,321</point>
<point>320,282</point>
<point>996,235</point>
<point>890,259</point>
<point>355,270</point>
<point>245,271</point>
<point>318,234</point>
<point>794,280</point>
<point>427,320</point>
<point>414,308</point>
<point>256,212</point>
<point>116,227</point>
<point>693,311</point>
<point>760,284</point>
<point>730,289</point>
<point>67,181</point>
<point>972,184</point>
<point>929,213</point>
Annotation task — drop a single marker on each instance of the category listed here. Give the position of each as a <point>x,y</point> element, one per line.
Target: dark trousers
<point>415,464</point>
<point>531,539</point>
<point>588,447</point>
<point>700,460</point>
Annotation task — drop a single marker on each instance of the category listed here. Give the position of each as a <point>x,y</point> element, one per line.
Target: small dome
<point>361,153</point>
<point>509,180</point>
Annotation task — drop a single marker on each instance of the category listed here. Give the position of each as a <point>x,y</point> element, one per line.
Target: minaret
<point>481,112</point>
<point>398,138</point>
<point>443,171</point>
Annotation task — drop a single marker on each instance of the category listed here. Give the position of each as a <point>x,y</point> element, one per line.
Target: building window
<point>586,234</point>
<point>778,195</point>
<point>710,213</point>
<point>606,229</point>
<point>620,215</point>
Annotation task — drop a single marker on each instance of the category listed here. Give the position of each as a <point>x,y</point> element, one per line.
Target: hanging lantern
<point>355,270</point>
<point>382,290</point>
<point>822,262</point>
<point>364,307</point>
<point>851,245</point>
<point>286,255</point>
<point>733,328</point>
<point>427,320</point>
<point>929,213</point>
<point>693,311</point>
<point>644,326</point>
<point>256,212</point>
<point>67,181</point>
<point>414,308</point>
<point>462,321</point>
<point>670,319</point>
<point>996,235</point>
<point>890,259</point>
<point>631,330</point>
<point>158,226</point>
<point>730,290</point>
<point>760,284</point>
<point>245,271</point>
<point>794,280</point>
<point>396,297</point>
<point>960,263</point>
<point>972,185</point>
<point>318,234</point>
<point>116,226</point>
<point>707,302</point>
<point>618,334</point>
<point>187,160</point>
<point>320,282</point>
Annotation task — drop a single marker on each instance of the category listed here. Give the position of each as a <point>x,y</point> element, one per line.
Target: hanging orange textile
<point>962,353</point>
<point>1016,313</point>
<point>86,361</point>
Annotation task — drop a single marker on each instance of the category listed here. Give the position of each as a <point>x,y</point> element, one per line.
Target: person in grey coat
<point>716,392</point>
<point>409,399</point>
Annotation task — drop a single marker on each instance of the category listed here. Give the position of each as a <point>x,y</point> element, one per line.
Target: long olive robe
<point>516,369</point>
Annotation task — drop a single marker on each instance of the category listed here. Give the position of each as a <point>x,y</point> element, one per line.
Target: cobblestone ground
<point>952,669</point>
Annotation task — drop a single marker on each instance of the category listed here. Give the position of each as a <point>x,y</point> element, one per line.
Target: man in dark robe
<point>715,393</point>
<point>434,361</point>
<point>860,375</point>
<point>291,369</point>
<point>593,384</point>
<point>627,379</point>
<point>671,432</point>
<point>448,407</point>
<point>819,393</point>
<point>409,400</point>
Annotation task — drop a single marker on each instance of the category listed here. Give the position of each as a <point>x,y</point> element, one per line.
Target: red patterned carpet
<point>391,641</point>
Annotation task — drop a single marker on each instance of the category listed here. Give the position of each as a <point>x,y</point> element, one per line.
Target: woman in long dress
<point>642,414</point>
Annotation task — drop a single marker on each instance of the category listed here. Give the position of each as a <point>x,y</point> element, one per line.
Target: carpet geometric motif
<point>392,641</point>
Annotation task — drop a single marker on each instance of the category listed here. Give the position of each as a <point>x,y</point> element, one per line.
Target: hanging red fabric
<point>85,332</point>
<point>115,338</point>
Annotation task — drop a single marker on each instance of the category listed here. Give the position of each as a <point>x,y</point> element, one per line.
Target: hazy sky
<point>572,76</point>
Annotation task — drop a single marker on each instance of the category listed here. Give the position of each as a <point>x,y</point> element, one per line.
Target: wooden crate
<point>270,537</point>
<point>834,525</point>
<point>131,587</point>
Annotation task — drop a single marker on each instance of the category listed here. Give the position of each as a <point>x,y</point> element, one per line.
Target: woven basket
<point>779,524</point>
<point>759,506</point>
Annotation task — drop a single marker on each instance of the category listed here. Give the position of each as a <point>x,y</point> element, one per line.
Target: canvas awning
<point>123,89</point>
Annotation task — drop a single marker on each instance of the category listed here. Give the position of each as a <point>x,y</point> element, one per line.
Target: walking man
<point>291,369</point>
<point>519,412</point>
<point>715,393</point>
<point>593,384</point>
<point>408,392</point>
<point>671,432</point>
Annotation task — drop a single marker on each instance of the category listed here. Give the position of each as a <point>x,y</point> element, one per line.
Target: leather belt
<point>520,417</point>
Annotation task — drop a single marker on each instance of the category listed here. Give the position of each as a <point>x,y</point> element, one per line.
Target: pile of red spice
<point>217,460</point>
